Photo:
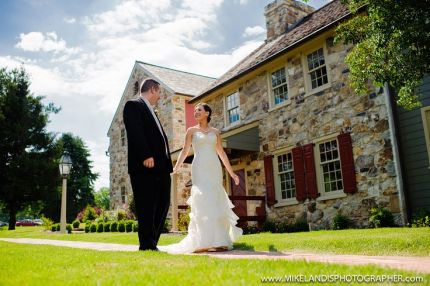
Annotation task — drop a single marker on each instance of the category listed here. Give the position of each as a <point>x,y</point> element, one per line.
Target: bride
<point>212,224</point>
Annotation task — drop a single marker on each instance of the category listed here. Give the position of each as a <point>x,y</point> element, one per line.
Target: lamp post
<point>65,167</point>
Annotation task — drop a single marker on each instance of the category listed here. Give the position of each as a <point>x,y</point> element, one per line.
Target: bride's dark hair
<point>207,108</point>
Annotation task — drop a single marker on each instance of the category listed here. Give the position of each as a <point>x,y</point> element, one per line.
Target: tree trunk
<point>12,218</point>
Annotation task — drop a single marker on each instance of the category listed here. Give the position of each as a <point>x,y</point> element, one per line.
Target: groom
<point>149,163</point>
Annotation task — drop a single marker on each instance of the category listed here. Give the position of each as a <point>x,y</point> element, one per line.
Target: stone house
<point>294,130</point>
<point>173,109</point>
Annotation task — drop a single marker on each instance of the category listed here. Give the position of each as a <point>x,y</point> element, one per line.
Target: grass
<point>384,241</point>
<point>23,264</point>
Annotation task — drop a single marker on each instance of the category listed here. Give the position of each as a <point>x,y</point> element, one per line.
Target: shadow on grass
<point>243,246</point>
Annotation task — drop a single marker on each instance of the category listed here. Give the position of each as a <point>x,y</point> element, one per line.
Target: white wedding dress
<point>212,220</point>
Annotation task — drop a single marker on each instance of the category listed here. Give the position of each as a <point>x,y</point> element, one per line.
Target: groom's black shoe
<point>148,248</point>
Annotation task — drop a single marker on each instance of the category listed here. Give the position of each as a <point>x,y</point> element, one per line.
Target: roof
<point>315,22</point>
<point>179,81</point>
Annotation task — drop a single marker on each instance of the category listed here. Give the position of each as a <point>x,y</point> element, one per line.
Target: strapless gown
<point>212,220</point>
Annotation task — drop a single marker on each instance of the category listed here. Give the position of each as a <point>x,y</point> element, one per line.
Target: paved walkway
<point>418,264</point>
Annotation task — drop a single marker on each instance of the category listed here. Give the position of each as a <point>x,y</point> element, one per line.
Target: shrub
<point>89,214</point>
<point>114,226</point>
<point>250,229</point>
<point>121,226</point>
<point>121,215</point>
<point>54,227</point>
<point>299,226</point>
<point>167,226</point>
<point>58,227</point>
<point>47,223</point>
<point>381,217</point>
<point>76,223</point>
<point>69,228</point>
<point>93,227</point>
<point>184,220</point>
<point>100,227</point>
<point>135,226</point>
<point>129,225</point>
<point>87,228</point>
<point>421,218</point>
<point>106,226</point>
<point>269,226</point>
<point>341,222</point>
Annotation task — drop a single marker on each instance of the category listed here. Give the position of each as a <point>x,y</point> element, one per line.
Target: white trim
<point>272,105</point>
<point>306,76</point>
<point>332,195</point>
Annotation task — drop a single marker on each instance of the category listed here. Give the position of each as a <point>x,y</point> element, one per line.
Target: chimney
<point>281,14</point>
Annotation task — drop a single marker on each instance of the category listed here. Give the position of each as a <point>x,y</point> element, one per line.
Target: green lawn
<point>385,241</point>
<point>23,264</point>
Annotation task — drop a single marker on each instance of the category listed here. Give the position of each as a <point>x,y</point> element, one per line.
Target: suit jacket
<point>144,139</point>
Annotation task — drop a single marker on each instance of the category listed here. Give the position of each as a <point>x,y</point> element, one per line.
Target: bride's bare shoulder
<point>215,130</point>
<point>191,130</point>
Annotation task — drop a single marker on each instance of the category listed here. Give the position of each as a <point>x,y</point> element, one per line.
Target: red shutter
<point>189,115</point>
<point>270,182</point>
<point>347,163</point>
<point>311,176</point>
<point>299,173</point>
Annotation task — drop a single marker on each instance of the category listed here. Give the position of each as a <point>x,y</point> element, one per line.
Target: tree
<point>102,198</point>
<point>28,167</point>
<point>390,45</point>
<point>80,183</point>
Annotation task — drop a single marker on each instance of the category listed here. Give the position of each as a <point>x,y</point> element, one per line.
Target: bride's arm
<point>184,151</point>
<point>221,153</point>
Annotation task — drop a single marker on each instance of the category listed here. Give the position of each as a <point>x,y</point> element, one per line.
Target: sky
<point>80,53</point>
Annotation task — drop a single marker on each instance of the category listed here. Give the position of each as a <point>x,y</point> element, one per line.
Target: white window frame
<point>271,93</point>
<point>288,201</point>
<point>226,110</point>
<point>319,169</point>
<point>425,113</point>
<point>306,72</point>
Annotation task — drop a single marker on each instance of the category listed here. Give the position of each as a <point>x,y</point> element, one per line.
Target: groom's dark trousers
<point>151,186</point>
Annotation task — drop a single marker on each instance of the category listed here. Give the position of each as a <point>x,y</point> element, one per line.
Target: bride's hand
<point>175,169</point>
<point>236,179</point>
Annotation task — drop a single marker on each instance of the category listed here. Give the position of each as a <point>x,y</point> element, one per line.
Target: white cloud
<point>253,31</point>
<point>243,2</point>
<point>69,20</point>
<point>48,42</point>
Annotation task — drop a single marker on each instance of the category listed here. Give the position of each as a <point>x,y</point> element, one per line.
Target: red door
<point>239,190</point>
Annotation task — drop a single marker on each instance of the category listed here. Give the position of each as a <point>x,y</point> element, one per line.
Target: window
<point>123,137</point>
<point>285,176</point>
<point>330,168</point>
<point>317,69</point>
<point>123,195</point>
<point>232,108</point>
<point>425,112</point>
<point>279,86</point>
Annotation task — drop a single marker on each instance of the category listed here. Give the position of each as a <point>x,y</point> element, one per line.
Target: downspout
<point>396,154</point>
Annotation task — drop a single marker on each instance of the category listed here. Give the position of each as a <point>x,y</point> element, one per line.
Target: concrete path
<point>417,264</point>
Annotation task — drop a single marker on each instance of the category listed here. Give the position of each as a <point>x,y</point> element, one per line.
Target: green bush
<point>89,214</point>
<point>114,226</point>
<point>121,226</point>
<point>184,220</point>
<point>121,215</point>
<point>54,227</point>
<point>250,229</point>
<point>167,226</point>
<point>69,228</point>
<point>93,227</point>
<point>341,222</point>
<point>47,223</point>
<point>58,227</point>
<point>381,217</point>
<point>299,226</point>
<point>106,226</point>
<point>421,218</point>
<point>87,228</point>
<point>135,226</point>
<point>269,226</point>
<point>76,223</point>
<point>129,225</point>
<point>100,227</point>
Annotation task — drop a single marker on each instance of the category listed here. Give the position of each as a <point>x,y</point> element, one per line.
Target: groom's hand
<point>149,163</point>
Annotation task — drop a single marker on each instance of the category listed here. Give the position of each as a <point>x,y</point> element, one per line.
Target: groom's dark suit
<point>151,186</point>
